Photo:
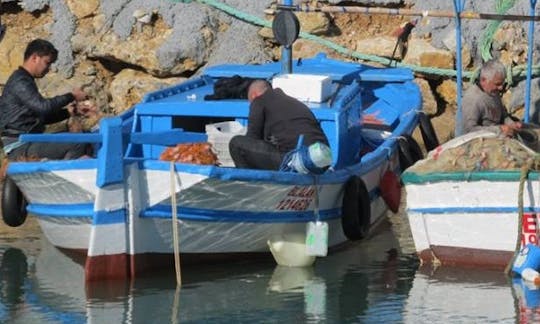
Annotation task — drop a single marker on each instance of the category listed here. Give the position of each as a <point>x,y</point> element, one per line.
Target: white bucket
<point>290,250</point>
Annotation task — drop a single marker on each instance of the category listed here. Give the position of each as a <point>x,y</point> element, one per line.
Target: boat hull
<point>217,217</point>
<point>473,220</point>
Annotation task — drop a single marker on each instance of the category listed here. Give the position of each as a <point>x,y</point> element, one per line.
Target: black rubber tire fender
<point>13,204</point>
<point>409,151</point>
<point>356,209</point>
<point>427,131</point>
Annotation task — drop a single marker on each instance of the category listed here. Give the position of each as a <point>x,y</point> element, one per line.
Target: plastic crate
<point>219,135</point>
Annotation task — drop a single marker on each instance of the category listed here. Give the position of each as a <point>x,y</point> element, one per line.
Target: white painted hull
<point>470,222</point>
<point>214,216</point>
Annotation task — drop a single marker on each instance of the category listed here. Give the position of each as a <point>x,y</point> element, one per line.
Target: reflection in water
<point>13,271</point>
<point>366,282</point>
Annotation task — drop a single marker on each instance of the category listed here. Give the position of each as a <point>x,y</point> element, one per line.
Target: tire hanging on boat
<point>13,204</point>
<point>356,209</point>
<point>428,132</point>
<point>409,151</point>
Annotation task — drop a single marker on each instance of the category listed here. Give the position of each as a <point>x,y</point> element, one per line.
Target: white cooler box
<point>304,87</point>
<point>219,135</point>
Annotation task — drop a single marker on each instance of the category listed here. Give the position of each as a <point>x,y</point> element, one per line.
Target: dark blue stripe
<point>472,210</point>
<point>62,210</point>
<point>56,165</point>
<point>79,211</point>
<point>186,213</point>
<point>110,217</point>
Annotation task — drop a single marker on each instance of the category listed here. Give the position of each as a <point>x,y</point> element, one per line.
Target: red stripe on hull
<point>458,256</point>
<point>106,267</point>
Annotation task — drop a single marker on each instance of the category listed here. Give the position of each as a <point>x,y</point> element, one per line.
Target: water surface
<point>367,282</point>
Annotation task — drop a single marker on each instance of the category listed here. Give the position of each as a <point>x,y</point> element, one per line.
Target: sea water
<point>370,281</point>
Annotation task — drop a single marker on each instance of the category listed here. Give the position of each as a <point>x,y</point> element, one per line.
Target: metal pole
<point>458,7</point>
<point>400,12</point>
<point>529,64</point>
<point>286,51</point>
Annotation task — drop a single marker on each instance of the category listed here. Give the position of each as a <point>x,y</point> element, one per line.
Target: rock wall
<point>118,50</point>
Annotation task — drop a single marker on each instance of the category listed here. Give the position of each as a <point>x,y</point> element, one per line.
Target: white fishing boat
<point>117,209</point>
<point>470,215</point>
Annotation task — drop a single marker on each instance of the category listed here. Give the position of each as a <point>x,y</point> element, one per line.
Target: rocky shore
<point>118,50</point>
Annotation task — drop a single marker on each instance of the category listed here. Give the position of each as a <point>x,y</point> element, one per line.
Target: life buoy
<point>356,209</point>
<point>409,151</point>
<point>391,190</point>
<point>13,204</point>
<point>428,132</point>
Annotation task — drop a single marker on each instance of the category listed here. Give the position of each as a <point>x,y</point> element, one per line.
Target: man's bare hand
<point>510,129</point>
<point>79,94</point>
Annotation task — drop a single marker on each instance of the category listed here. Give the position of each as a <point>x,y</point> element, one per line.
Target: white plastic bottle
<point>531,275</point>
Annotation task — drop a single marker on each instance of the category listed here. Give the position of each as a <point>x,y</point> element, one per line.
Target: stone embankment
<point>118,50</point>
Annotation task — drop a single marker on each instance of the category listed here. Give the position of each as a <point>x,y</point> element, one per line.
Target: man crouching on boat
<point>275,122</point>
<point>24,110</point>
<point>482,105</point>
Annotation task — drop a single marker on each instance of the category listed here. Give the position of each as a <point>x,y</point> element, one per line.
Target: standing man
<point>274,125</point>
<point>482,104</point>
<point>23,109</point>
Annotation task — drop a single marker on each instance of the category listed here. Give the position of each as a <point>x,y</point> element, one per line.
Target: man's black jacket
<point>24,110</point>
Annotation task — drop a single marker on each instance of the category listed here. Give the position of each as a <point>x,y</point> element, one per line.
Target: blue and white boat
<point>117,208</point>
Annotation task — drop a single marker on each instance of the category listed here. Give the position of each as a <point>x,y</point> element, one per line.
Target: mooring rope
<point>532,164</point>
<point>519,71</point>
<point>174,218</point>
<point>522,178</point>
<point>501,7</point>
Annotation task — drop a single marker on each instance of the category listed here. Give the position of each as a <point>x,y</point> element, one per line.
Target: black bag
<point>235,87</point>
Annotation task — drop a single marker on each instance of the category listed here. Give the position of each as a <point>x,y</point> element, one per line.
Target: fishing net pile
<point>478,151</point>
<point>197,153</point>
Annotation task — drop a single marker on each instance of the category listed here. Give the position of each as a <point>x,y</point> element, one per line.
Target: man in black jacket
<point>24,110</point>
<point>274,125</point>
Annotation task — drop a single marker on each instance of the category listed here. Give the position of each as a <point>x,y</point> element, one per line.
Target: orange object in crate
<point>197,153</point>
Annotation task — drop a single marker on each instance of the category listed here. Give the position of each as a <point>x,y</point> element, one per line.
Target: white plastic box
<point>304,87</point>
<point>219,135</point>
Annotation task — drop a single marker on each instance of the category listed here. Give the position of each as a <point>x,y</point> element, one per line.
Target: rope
<point>175,227</point>
<point>532,164</point>
<point>501,7</point>
<point>518,71</point>
<point>523,177</point>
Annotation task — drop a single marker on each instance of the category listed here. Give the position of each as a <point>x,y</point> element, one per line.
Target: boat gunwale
<point>412,177</point>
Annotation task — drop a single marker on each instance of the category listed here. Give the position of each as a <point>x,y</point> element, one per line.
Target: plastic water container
<point>531,275</point>
<point>290,250</point>
<point>320,154</point>
<point>317,238</point>
<point>528,257</point>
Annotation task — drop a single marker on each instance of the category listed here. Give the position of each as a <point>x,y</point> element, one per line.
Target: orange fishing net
<point>197,153</point>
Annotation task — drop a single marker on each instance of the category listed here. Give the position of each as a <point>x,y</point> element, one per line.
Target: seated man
<point>482,104</point>
<point>24,110</point>
<point>275,123</point>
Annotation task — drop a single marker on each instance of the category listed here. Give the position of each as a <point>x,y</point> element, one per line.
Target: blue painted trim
<point>530,45</point>
<point>473,210</point>
<point>53,165</point>
<point>62,138</point>
<point>110,155</point>
<point>197,214</point>
<point>171,137</point>
<point>102,217</point>
<point>459,6</point>
<point>62,210</point>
